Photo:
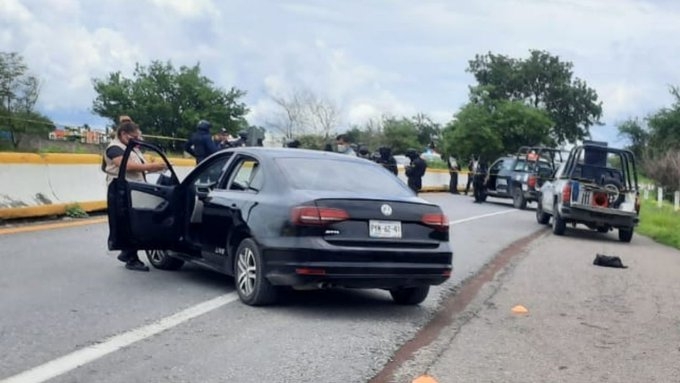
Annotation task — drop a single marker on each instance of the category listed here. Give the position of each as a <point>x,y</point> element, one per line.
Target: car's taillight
<point>637,204</point>
<point>531,182</point>
<point>317,216</point>
<point>437,221</point>
<point>566,193</point>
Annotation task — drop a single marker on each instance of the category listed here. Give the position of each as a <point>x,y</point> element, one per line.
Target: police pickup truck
<point>520,176</point>
<point>597,187</point>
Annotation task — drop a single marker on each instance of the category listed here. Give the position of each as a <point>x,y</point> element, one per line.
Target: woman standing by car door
<point>136,168</point>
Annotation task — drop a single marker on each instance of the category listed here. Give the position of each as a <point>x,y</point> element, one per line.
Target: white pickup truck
<point>597,186</point>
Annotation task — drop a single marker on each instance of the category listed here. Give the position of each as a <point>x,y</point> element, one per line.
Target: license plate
<point>384,229</point>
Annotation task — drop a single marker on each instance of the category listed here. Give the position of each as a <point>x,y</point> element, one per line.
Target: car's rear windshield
<point>338,175</point>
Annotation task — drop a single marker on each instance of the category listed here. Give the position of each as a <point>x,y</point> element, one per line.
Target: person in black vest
<point>201,144</point>
<point>386,159</point>
<point>415,170</point>
<point>453,172</point>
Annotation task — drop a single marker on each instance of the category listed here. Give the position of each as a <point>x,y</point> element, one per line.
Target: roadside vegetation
<point>660,224</point>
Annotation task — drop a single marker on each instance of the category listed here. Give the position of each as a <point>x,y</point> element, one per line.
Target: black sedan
<point>274,217</point>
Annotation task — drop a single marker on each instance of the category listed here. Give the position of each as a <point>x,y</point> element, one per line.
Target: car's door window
<point>211,174</point>
<point>496,167</point>
<point>246,176</point>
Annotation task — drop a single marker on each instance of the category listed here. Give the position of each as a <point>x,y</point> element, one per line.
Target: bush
<point>75,211</point>
<point>664,169</point>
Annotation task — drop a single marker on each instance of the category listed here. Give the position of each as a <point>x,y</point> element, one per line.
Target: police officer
<point>453,173</point>
<point>415,170</point>
<point>387,160</point>
<point>479,180</point>
<point>201,144</point>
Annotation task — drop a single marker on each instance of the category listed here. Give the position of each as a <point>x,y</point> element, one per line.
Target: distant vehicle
<point>519,177</point>
<point>274,217</point>
<point>598,187</point>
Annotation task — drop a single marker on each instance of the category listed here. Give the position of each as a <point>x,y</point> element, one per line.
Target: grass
<point>660,224</point>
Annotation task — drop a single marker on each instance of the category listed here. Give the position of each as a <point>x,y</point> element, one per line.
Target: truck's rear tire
<point>518,200</point>
<point>625,234</point>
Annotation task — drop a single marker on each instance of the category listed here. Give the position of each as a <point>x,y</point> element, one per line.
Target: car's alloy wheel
<point>251,284</point>
<point>160,259</point>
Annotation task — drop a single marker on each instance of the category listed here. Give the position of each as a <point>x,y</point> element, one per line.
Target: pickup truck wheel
<point>625,235</point>
<point>251,284</point>
<point>541,217</point>
<point>518,200</point>
<point>559,226</point>
<point>409,295</point>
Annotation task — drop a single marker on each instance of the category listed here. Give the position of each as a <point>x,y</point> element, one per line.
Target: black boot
<point>137,265</point>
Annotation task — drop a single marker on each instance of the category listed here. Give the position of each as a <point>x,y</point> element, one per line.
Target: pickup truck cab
<point>597,186</point>
<point>519,177</point>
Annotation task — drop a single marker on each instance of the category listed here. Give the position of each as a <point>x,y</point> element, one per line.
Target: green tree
<point>636,134</point>
<point>400,134</point>
<point>19,91</point>
<point>664,126</point>
<point>544,82</point>
<point>428,130</point>
<point>495,128</point>
<point>169,102</point>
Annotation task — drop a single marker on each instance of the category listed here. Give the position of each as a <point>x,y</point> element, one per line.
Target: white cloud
<point>372,58</point>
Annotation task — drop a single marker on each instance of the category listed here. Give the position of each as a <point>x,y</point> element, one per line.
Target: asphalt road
<point>62,291</point>
<point>585,323</point>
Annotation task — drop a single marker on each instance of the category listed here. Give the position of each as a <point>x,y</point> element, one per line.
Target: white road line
<point>86,355</point>
<point>476,217</point>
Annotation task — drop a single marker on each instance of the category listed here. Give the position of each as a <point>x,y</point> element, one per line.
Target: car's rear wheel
<point>559,225</point>
<point>249,275</point>
<point>160,259</point>
<point>541,217</point>
<point>410,295</point>
<point>625,235</point>
<point>518,200</point>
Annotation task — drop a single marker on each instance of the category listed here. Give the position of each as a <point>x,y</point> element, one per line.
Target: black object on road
<point>609,261</point>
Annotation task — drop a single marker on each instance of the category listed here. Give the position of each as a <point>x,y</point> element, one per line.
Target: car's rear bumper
<point>598,217</point>
<point>357,267</point>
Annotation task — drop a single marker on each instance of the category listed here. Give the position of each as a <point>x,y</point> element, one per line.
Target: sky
<point>370,57</point>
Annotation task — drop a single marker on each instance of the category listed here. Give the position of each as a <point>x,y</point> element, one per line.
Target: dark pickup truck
<point>520,176</point>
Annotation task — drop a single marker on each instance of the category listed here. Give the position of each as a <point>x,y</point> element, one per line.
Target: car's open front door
<point>142,215</point>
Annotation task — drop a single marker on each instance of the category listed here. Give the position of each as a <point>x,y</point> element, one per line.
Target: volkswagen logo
<point>386,209</point>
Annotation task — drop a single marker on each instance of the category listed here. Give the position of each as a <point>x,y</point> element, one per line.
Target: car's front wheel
<point>251,284</point>
<point>410,295</point>
<point>160,259</point>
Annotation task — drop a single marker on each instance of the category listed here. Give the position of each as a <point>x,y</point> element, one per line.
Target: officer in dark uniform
<point>415,170</point>
<point>387,160</point>
<point>201,144</point>
<point>479,180</point>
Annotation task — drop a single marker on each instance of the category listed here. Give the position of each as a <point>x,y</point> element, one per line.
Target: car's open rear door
<point>144,215</point>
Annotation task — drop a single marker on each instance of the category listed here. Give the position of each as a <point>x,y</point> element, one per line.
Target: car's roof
<point>270,152</point>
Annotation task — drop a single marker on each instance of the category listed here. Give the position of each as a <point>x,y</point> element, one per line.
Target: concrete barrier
<point>35,185</point>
